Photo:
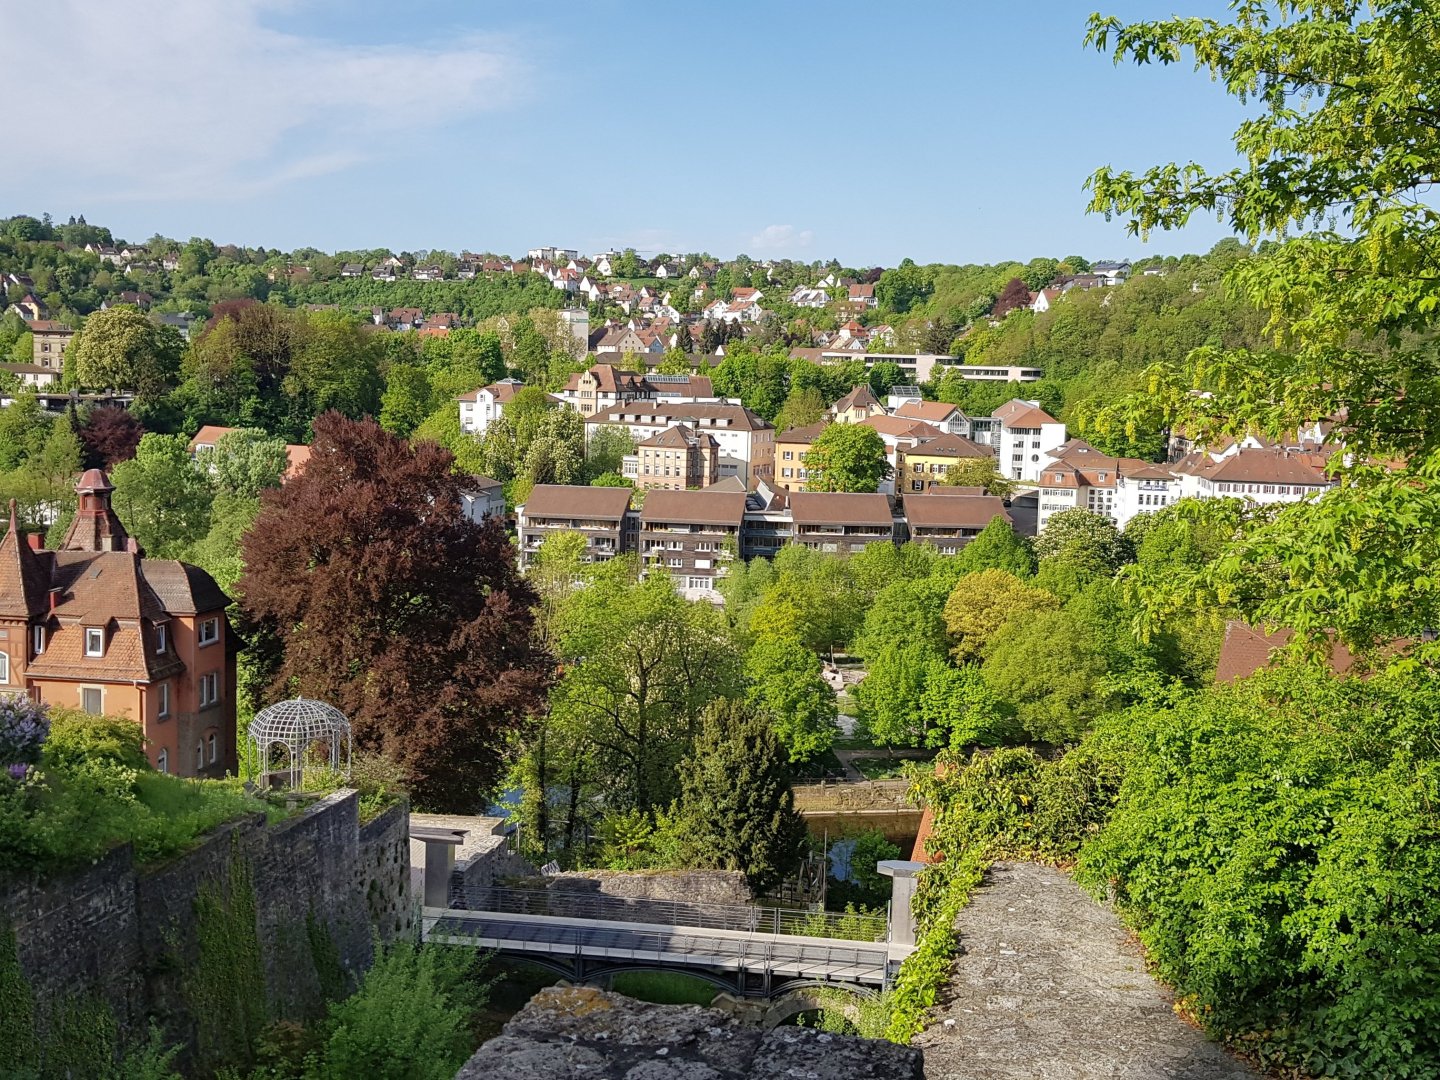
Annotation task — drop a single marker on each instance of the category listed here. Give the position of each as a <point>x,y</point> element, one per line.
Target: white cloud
<point>781,238</point>
<point>201,99</point>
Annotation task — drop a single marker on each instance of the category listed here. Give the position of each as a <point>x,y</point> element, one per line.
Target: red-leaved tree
<point>1016,294</point>
<point>367,587</point>
<point>109,436</point>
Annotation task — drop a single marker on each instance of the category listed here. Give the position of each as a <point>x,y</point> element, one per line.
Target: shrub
<point>23,728</point>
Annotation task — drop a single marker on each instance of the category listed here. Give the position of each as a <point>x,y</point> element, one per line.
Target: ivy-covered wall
<point>258,923</point>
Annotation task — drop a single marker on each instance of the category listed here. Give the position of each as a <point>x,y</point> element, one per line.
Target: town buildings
<point>98,627</point>
<point>480,407</point>
<point>949,518</point>
<point>1025,433</point>
<point>599,514</point>
<point>692,536</point>
<point>747,443</point>
<point>676,459</point>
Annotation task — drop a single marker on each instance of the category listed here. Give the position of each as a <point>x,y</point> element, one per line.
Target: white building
<point>479,407</point>
<point>747,442</point>
<point>1024,434</point>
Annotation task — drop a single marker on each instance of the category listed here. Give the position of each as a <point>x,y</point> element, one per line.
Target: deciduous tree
<point>846,457</point>
<point>368,587</point>
<point>981,603</point>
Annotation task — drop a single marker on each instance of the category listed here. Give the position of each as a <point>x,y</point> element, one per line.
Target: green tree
<point>804,406</point>
<point>609,445</point>
<point>1050,668</point>
<point>162,496</point>
<point>642,664</point>
<point>981,472</point>
<point>1352,166</point>
<point>246,461</point>
<point>443,428</point>
<point>735,805</point>
<point>23,351</point>
<point>984,601</point>
<point>220,551</point>
<point>998,547</point>
<point>1082,539</point>
<point>846,457</point>
<point>785,683</point>
<point>889,697</point>
<point>122,349</point>
<point>407,400</point>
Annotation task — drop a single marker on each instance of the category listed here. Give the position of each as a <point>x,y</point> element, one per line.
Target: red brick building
<point>99,627</point>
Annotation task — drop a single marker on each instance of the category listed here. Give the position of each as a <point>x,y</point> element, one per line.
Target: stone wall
<point>577,1032</point>
<point>685,886</point>
<point>320,883</point>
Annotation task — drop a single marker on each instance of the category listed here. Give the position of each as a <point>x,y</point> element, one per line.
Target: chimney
<point>36,540</point>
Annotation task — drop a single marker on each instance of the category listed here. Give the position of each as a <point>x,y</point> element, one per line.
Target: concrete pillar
<point>902,874</point>
<point>440,845</point>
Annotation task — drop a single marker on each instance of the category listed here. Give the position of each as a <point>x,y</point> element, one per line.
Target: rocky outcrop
<point>574,1032</point>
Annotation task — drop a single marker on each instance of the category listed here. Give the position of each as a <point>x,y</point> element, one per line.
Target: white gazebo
<point>298,725</point>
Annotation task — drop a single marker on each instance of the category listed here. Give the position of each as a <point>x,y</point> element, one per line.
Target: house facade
<point>676,459</point>
<point>692,536</point>
<point>480,407</point>
<point>948,519</point>
<point>600,514</point>
<point>98,627</point>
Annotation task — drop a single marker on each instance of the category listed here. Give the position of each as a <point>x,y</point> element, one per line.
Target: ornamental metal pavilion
<point>299,725</point>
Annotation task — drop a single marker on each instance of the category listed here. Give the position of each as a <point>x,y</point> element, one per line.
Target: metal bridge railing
<point>568,904</point>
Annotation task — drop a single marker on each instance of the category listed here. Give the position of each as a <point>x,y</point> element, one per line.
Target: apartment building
<point>1025,432</point>
<point>97,626</point>
<point>791,446</point>
<point>676,459</point>
<point>747,442</point>
<point>692,536</point>
<point>900,435</point>
<point>858,405</point>
<point>949,518</point>
<point>49,341</point>
<point>928,460</point>
<point>841,522</point>
<point>479,408</point>
<point>601,515</point>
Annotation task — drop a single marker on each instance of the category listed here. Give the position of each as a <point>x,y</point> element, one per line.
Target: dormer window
<point>94,641</point>
<point>37,639</point>
<point>161,636</point>
<point>209,631</point>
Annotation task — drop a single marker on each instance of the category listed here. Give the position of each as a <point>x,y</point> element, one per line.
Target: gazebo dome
<point>298,724</point>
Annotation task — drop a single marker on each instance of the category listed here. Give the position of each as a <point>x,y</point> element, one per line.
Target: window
<point>209,689</point>
<point>199,756</point>
<point>37,639</point>
<point>209,631</point>
<point>214,750</point>
<point>162,761</point>
<point>4,667</point>
<point>94,642</point>
<point>92,700</point>
<point>161,633</point>
<point>162,708</point>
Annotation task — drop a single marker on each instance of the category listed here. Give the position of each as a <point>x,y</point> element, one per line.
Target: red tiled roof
<point>840,508</point>
<point>695,507</point>
<point>953,511</point>
<point>1021,414</point>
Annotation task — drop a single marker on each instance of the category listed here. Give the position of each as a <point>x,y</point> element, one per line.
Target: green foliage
<point>1050,668</point>
<point>246,461</point>
<point>998,547</point>
<point>163,497</point>
<point>846,457</point>
<point>93,791</point>
<point>1084,540</point>
<point>1298,910</point>
<point>19,1046</point>
<point>122,349</point>
<point>409,1020</point>
<point>981,603</point>
<point>735,804</point>
<point>784,682</point>
<point>924,971</point>
<point>226,988</point>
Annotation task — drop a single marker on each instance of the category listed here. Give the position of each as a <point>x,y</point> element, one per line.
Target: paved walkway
<point>1048,987</point>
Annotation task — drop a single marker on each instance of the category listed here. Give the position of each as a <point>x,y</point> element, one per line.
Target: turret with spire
<point>24,579</point>
<point>96,526</point>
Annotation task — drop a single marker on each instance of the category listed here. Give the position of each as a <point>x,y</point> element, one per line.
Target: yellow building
<point>790,450</point>
<point>928,461</point>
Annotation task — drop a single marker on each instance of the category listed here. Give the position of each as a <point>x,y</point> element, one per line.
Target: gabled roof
<point>707,507</point>
<point>840,508</point>
<point>1022,414</point>
<point>953,511</point>
<point>1267,467</point>
<point>900,426</point>
<point>681,437</point>
<point>24,577</point>
<point>937,412</point>
<point>577,501</point>
<point>1246,650</point>
<point>859,398</point>
<point>804,435</point>
<point>956,446</point>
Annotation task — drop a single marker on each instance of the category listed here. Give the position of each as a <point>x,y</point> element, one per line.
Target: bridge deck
<point>670,946</point>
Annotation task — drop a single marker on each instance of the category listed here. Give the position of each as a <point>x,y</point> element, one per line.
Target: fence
<point>567,904</point>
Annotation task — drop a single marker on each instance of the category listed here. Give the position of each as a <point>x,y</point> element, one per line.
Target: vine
<point>325,955</point>
<point>19,1048</point>
<point>227,991</point>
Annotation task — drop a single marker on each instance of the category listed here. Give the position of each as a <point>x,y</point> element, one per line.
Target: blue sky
<point>867,132</point>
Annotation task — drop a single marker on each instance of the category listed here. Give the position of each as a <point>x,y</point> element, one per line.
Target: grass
<point>881,768</point>
<point>664,987</point>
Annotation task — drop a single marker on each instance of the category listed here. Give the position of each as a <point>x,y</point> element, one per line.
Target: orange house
<point>99,627</point>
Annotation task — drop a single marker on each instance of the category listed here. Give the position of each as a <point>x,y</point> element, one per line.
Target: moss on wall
<point>227,988</point>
